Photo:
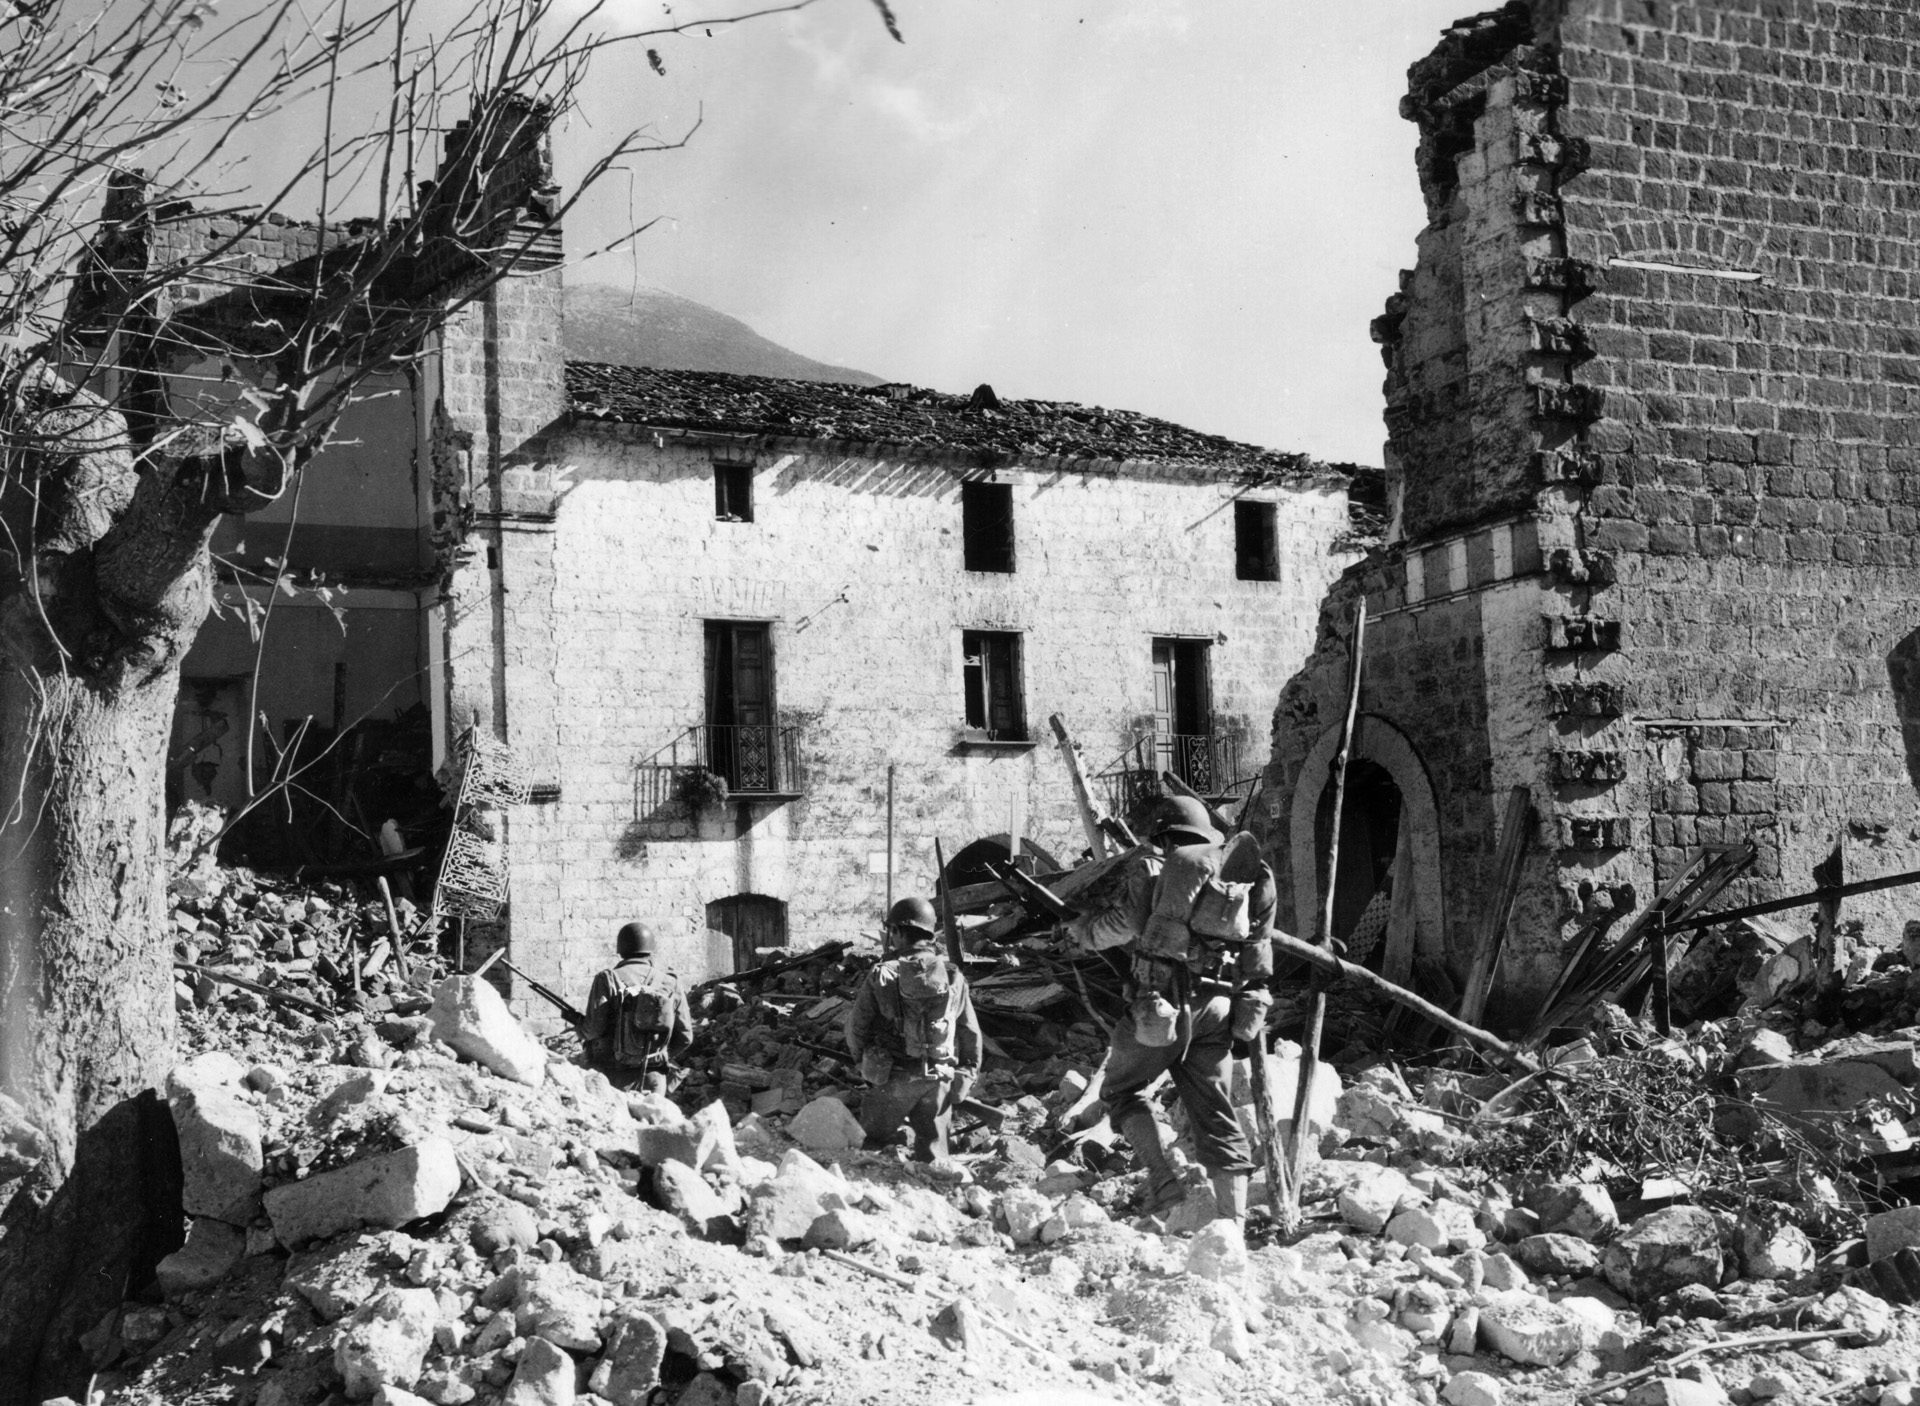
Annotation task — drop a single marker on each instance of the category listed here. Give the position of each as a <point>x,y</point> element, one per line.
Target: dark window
<point>733,492</point>
<point>742,741</point>
<point>1256,548</point>
<point>986,516</point>
<point>994,703</point>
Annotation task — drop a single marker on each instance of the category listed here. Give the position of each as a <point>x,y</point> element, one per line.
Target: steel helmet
<point>913,913</point>
<point>1171,814</point>
<point>635,940</point>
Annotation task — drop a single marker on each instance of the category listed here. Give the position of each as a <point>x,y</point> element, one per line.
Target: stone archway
<point>1380,742</point>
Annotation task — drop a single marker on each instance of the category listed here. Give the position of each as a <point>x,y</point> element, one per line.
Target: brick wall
<point>1664,311</point>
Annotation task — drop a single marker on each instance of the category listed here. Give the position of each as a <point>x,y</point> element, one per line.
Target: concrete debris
<point>826,1125</point>
<point>387,1189</point>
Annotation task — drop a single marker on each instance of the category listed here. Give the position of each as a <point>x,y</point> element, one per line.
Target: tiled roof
<point>907,417</point>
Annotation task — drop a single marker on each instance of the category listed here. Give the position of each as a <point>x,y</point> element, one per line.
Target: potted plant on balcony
<point>700,787</point>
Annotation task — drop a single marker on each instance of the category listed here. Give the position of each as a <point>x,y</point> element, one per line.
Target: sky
<point>1182,207</point>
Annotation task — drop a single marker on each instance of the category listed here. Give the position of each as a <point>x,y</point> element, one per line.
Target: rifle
<point>955,953</point>
<point>571,1013</point>
<point>1031,893</point>
<point>986,1112</point>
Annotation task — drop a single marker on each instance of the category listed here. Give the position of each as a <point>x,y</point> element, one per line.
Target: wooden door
<point>740,707</point>
<point>753,921</point>
<point>1163,695</point>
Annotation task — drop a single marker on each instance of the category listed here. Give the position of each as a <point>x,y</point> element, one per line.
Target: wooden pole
<point>1089,818</point>
<point>393,927</point>
<point>1508,855</point>
<point>1317,1012</point>
<point>890,837</point>
<point>948,924</point>
<point>1332,965</point>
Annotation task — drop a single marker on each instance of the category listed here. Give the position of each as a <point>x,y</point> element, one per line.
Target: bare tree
<point>119,128</point>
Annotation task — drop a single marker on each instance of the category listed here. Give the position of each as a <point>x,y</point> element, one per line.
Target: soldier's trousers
<point>924,1102</point>
<point>1200,1061</point>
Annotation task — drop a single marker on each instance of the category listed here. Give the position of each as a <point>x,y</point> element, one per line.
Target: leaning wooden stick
<point>1317,1013</point>
<point>1326,962</point>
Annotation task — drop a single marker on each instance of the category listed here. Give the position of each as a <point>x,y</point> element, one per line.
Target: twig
<point>853,1262</point>
<point>1722,1345</point>
<point>298,1003</point>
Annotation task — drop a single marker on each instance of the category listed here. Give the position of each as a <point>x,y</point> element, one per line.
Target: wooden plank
<point>1492,937</point>
<point>1396,959</point>
<point>1089,814</point>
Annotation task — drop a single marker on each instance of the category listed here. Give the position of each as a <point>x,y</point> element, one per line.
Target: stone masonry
<point>1651,427</point>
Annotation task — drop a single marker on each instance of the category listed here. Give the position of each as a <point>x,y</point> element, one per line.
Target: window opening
<point>1256,545</point>
<point>986,518</point>
<point>994,695</point>
<point>741,742</point>
<point>733,492</point>
<point>1183,714</point>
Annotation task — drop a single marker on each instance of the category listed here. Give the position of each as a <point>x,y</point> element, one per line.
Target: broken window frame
<point>986,526</point>
<point>1256,540</point>
<point>993,686</point>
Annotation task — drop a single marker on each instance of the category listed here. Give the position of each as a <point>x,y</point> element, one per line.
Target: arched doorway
<point>1379,743</point>
<point>1369,836</point>
<point>752,921</point>
<point>969,866</point>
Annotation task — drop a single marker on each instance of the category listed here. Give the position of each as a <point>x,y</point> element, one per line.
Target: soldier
<point>1198,924</point>
<point>637,1018</point>
<point>913,1031</point>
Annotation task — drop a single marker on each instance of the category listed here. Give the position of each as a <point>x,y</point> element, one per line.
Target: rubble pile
<point>419,1202</point>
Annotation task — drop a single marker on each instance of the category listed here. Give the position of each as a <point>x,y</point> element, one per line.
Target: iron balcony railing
<point>751,758</point>
<point>1208,762</point>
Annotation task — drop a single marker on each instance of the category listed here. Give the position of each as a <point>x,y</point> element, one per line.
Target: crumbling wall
<point>1661,323</point>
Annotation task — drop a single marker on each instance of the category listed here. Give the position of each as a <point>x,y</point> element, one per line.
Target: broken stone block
<point>1676,1391</point>
<point>685,1192</point>
<point>1557,1254</point>
<point>469,1015</point>
<point>1080,1212</point>
<point>543,1376</point>
<point>1218,1251</point>
<point>1502,1271</point>
<point>1895,1055</point>
<point>629,1369</point>
<point>1471,1389</point>
<point>668,1142</point>
<point>386,1190</point>
<point>1023,1211</point>
<point>219,1133</point>
<point>1815,1089</point>
<point>502,1223</point>
<point>826,1125</point>
<point>386,1342</point>
<point>553,1302</point>
<point>1417,1227</point>
<point>1530,1330</point>
<point>1762,1047</point>
<point>1463,1335</point>
<point>1370,1201</point>
<point>1231,1340</point>
<point>714,1150</point>
<point>705,1390</point>
<point>1890,1232</point>
<point>1664,1250</point>
<point>1774,1252</point>
<point>1366,1113</point>
<point>1576,1208</point>
<point>213,1248</point>
<point>841,1229</point>
<point>800,1191</point>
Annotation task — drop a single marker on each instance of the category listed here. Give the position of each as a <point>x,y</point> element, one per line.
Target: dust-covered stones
<point>469,1015</point>
<point>387,1190</point>
<point>1661,1252</point>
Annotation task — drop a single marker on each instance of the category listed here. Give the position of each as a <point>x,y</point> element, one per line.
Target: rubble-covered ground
<point>404,1196</point>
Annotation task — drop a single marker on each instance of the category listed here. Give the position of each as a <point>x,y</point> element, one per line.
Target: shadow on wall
<point>1903,672</point>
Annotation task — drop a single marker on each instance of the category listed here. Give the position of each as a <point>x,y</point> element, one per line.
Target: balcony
<point>754,761</point>
<point>1208,762</point>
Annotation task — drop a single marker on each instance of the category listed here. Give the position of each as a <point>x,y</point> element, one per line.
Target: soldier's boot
<point>1230,1196</point>
<point>1164,1187</point>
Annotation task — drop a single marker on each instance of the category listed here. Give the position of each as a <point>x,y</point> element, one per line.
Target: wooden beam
<point>1089,814</point>
<point>1492,937</point>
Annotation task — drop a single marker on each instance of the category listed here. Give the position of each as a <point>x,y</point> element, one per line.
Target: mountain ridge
<point>651,327</point>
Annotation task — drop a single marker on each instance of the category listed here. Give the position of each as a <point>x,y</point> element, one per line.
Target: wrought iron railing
<point>750,758</point>
<point>1208,762</point>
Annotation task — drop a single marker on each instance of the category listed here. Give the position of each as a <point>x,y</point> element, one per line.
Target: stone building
<point>721,615</point>
<point>1651,412</point>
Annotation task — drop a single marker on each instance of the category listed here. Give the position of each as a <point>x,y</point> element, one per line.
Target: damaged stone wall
<point>1660,337</point>
<point>854,560</point>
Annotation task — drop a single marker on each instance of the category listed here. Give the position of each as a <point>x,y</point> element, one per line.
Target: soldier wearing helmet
<point>913,1031</point>
<point>637,1018</point>
<point>1197,925</point>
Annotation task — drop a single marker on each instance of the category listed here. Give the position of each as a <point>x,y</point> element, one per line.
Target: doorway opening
<point>754,923</point>
<point>1369,831</point>
<point>1183,713</point>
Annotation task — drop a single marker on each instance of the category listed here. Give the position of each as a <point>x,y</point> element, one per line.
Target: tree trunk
<point>86,1010</point>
